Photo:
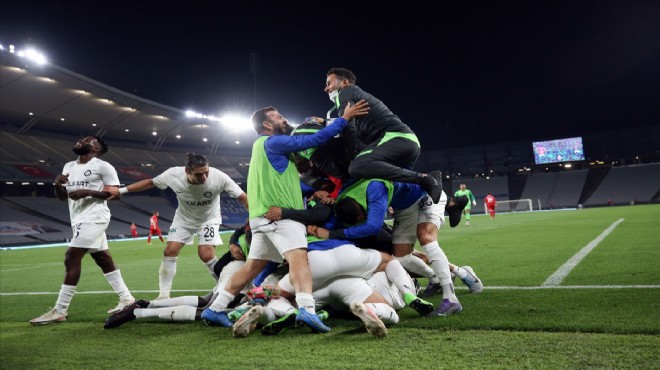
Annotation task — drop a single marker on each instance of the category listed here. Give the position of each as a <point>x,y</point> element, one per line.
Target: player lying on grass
<point>374,301</point>
<point>189,308</point>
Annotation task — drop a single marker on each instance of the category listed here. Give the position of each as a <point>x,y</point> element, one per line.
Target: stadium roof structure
<point>43,99</point>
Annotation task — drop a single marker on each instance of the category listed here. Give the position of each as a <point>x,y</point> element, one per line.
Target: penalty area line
<point>558,276</point>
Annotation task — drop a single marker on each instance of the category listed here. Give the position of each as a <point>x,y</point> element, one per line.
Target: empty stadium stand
<point>626,185</point>
<point>554,190</point>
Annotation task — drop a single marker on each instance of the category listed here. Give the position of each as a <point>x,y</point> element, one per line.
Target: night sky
<point>458,73</point>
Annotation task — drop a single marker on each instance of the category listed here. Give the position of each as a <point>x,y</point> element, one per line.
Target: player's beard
<point>288,129</point>
<point>85,149</point>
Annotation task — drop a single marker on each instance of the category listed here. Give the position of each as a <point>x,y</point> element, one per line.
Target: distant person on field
<point>134,233</point>
<point>154,228</point>
<point>198,187</point>
<point>490,203</point>
<point>472,201</point>
<point>81,183</point>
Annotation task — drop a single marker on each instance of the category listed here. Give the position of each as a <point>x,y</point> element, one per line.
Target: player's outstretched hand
<point>360,108</point>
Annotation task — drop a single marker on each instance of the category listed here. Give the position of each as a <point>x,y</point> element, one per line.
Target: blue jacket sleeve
<point>376,211</point>
<point>291,144</point>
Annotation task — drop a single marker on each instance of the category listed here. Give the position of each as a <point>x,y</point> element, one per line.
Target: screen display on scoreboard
<point>557,151</point>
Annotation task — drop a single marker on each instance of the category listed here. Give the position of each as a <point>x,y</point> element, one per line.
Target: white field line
<point>558,276</point>
<point>21,269</point>
<point>566,287</point>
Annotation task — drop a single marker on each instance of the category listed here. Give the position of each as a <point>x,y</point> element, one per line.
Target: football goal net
<point>519,205</point>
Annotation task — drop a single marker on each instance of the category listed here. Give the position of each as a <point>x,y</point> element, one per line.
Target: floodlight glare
<point>35,56</point>
<point>190,114</point>
<point>236,122</point>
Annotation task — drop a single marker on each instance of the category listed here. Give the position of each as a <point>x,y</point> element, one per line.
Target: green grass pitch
<point>604,314</point>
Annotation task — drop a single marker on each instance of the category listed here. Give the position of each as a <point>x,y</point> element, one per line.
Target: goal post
<point>518,205</point>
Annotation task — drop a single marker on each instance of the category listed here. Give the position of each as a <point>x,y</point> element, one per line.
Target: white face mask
<point>333,95</point>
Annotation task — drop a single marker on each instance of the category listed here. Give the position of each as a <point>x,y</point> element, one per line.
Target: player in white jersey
<point>82,182</point>
<point>198,188</point>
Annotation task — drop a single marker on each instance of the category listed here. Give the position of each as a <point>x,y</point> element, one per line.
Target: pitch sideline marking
<point>558,276</point>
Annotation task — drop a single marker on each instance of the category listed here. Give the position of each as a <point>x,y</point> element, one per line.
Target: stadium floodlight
<point>190,114</point>
<point>36,56</point>
<point>236,122</point>
<point>2,47</point>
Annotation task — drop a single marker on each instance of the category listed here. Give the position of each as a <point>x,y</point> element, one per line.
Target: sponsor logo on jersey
<point>201,203</point>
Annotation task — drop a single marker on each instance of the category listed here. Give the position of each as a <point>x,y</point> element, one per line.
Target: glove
<point>474,203</point>
<point>262,293</point>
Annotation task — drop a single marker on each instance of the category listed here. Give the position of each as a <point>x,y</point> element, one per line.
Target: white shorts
<point>341,292</point>
<point>380,283</point>
<point>345,260</point>
<point>338,292</point>
<point>89,235</point>
<point>406,220</point>
<point>208,234</point>
<point>226,273</point>
<point>271,240</point>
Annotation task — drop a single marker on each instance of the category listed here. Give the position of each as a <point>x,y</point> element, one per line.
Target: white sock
<point>166,275</point>
<point>384,312</point>
<point>210,265</point>
<point>117,284</point>
<point>188,300</point>
<point>177,313</point>
<point>281,306</point>
<point>415,265</point>
<point>306,301</point>
<point>439,262</point>
<point>396,274</point>
<point>221,302</point>
<point>64,298</point>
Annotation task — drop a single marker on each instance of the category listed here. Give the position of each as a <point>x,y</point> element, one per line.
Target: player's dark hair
<point>348,211</point>
<point>259,117</point>
<point>343,74</point>
<point>195,161</point>
<point>104,146</point>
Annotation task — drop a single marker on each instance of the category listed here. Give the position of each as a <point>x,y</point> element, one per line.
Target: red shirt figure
<point>490,202</point>
<point>134,230</point>
<point>154,229</point>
